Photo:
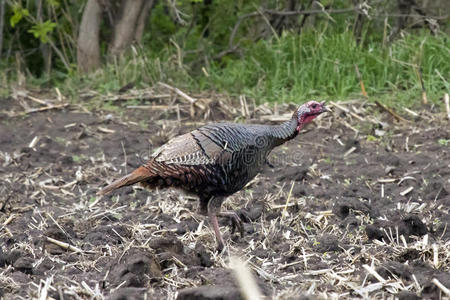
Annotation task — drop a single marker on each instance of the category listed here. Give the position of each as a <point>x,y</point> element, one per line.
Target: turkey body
<point>216,160</point>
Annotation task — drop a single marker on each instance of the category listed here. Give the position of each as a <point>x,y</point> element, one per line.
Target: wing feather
<point>187,149</point>
<point>210,144</point>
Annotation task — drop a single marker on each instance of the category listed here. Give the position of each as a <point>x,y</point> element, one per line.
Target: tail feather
<point>138,175</point>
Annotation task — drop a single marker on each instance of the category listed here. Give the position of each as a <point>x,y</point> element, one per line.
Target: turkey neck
<point>283,132</point>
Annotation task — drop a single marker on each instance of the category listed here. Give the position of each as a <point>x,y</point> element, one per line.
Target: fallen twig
<point>283,214</point>
<point>34,142</point>
<point>447,105</point>
<point>374,273</point>
<point>346,110</point>
<point>350,126</point>
<point>33,110</point>
<point>59,226</point>
<point>407,191</point>
<point>350,151</point>
<point>133,96</point>
<point>105,130</point>
<point>45,288</point>
<point>37,100</point>
<point>424,91</point>
<point>411,112</point>
<point>391,112</point>
<point>156,107</point>
<point>178,92</point>
<point>64,245</point>
<point>387,180</point>
<point>244,106</point>
<point>361,83</point>
<point>443,288</point>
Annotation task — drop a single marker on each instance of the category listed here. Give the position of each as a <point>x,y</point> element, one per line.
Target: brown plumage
<point>217,160</point>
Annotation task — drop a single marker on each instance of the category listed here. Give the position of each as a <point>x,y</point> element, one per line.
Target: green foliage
<point>18,14</point>
<point>41,30</point>
<point>53,3</point>
<point>444,142</point>
<point>79,158</point>
<point>56,21</point>
<point>162,22</point>
<point>371,138</point>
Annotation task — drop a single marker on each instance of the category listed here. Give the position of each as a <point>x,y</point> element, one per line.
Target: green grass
<point>317,64</point>
<point>310,65</point>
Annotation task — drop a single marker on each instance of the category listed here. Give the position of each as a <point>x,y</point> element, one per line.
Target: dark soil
<point>312,220</point>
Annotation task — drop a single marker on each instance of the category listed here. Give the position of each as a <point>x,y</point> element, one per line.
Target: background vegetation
<point>268,50</point>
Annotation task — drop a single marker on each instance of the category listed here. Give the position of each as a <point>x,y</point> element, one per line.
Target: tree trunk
<point>280,23</point>
<point>44,47</point>
<point>142,21</point>
<point>311,21</point>
<point>404,8</point>
<point>88,50</point>
<point>205,14</point>
<point>2,15</point>
<point>124,30</point>
<point>359,23</point>
<point>47,57</point>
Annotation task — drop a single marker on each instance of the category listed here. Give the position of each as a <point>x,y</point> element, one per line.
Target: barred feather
<point>214,160</point>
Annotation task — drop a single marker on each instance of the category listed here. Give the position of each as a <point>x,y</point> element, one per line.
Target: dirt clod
<point>352,205</point>
<point>393,269</point>
<point>326,243</point>
<point>166,244</point>
<point>407,295</point>
<point>128,293</point>
<point>211,292</point>
<point>435,190</point>
<point>3,258</point>
<point>136,269</point>
<point>106,234</point>
<point>350,143</point>
<point>412,225</point>
<point>203,256</point>
<point>291,173</point>
<point>24,265</point>
<point>430,290</point>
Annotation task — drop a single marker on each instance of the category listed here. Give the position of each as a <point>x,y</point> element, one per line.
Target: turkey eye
<point>314,106</point>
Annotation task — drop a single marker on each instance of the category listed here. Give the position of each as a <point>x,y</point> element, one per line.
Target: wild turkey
<point>216,161</point>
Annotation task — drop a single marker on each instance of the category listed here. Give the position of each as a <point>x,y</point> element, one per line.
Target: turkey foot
<point>236,222</point>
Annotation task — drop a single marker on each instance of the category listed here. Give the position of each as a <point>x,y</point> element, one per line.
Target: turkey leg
<point>214,205</point>
<point>215,225</point>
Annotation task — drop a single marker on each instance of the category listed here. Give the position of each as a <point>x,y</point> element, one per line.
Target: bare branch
<point>314,12</point>
<point>284,13</point>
